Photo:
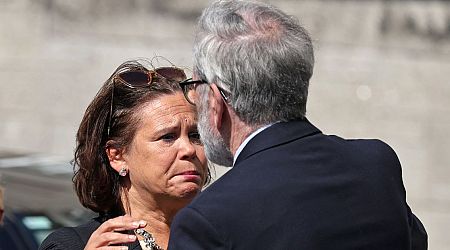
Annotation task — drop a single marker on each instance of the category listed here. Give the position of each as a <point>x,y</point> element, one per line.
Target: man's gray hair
<point>259,54</point>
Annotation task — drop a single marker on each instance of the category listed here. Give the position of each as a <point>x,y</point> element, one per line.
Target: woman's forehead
<point>168,109</point>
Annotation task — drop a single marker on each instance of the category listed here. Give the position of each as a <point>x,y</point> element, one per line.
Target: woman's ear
<point>116,159</point>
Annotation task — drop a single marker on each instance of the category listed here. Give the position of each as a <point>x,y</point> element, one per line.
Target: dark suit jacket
<point>76,238</point>
<point>293,187</point>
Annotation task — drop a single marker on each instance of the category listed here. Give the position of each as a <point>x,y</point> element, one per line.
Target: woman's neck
<point>158,212</point>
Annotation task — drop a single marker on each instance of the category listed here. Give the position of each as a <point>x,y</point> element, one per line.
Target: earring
<point>123,172</point>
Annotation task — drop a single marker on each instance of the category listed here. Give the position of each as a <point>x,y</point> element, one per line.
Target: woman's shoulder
<point>71,238</point>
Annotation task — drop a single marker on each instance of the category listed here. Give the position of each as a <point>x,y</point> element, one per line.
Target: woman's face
<point>166,158</point>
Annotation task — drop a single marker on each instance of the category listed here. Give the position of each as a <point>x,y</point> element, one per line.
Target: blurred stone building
<point>382,71</point>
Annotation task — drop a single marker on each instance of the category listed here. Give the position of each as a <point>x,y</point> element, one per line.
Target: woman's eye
<point>195,137</point>
<point>168,137</point>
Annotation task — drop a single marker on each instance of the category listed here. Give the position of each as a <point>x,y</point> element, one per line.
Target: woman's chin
<point>185,187</point>
<point>190,191</point>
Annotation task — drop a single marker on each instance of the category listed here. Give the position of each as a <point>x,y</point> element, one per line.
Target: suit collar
<point>277,134</point>
<point>243,144</point>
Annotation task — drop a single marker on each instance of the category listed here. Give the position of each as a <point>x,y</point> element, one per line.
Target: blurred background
<point>382,71</point>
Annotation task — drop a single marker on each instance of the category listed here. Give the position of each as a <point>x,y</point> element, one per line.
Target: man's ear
<point>115,157</point>
<point>217,105</point>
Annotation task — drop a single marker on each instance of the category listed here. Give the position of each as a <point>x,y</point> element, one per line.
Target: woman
<point>138,157</point>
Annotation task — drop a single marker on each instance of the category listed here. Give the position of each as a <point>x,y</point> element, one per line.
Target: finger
<point>121,223</point>
<point>113,248</point>
<point>132,225</point>
<point>112,238</point>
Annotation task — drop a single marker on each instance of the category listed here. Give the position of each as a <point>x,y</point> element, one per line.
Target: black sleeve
<point>190,230</point>
<point>63,239</point>
<point>419,237</point>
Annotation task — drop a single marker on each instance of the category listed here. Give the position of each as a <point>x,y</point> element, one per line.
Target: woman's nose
<point>187,149</point>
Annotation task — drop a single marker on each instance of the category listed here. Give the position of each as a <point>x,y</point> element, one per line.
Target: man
<point>291,187</point>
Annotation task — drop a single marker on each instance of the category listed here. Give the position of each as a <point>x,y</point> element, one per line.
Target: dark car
<point>23,231</point>
<point>38,198</point>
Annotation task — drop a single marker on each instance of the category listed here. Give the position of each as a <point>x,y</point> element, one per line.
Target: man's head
<point>261,57</point>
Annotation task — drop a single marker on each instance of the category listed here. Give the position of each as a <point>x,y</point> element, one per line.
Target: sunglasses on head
<point>141,77</point>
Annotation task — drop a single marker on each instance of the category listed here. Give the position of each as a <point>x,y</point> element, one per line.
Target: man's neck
<point>239,132</point>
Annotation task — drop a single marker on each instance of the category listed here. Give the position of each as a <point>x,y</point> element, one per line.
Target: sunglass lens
<point>172,73</point>
<point>135,78</point>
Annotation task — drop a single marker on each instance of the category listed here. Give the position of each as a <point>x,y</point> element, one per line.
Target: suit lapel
<point>277,134</point>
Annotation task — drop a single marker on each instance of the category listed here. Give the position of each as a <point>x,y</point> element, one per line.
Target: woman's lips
<point>191,172</point>
<point>190,175</point>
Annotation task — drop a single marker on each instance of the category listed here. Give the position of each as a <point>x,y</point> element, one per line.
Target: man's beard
<point>215,148</point>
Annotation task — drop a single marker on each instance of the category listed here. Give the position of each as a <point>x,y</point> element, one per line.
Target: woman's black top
<point>76,238</point>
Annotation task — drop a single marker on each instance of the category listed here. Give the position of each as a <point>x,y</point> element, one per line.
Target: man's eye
<point>191,86</point>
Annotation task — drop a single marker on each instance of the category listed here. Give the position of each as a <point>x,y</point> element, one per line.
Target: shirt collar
<point>245,142</point>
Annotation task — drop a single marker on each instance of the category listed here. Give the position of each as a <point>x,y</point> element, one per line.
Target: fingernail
<point>124,248</point>
<point>135,224</point>
<point>132,237</point>
<point>142,223</point>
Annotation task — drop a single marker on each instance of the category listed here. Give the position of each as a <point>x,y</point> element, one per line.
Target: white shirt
<point>245,142</point>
